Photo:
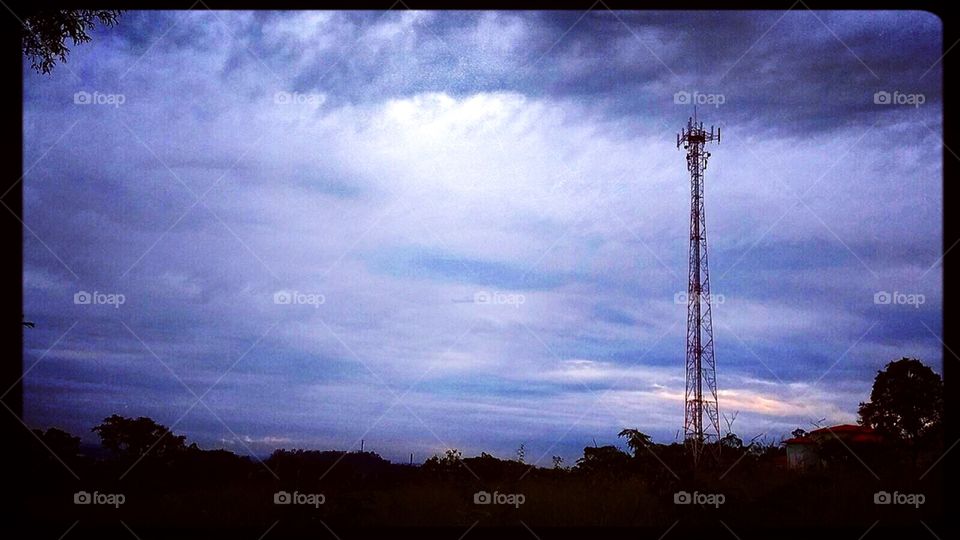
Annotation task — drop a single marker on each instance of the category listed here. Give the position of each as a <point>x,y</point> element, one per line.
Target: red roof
<point>798,440</point>
<point>851,432</point>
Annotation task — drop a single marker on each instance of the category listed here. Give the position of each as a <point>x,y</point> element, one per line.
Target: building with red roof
<point>804,451</point>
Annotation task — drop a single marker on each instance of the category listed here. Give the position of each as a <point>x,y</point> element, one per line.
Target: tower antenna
<point>701,419</point>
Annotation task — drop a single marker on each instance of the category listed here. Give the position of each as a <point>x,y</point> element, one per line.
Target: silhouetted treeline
<point>167,482</point>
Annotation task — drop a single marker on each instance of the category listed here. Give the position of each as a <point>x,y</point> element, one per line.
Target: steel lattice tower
<point>701,421</point>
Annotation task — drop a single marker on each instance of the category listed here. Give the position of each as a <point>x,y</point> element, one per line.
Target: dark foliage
<point>130,437</point>
<point>169,483</point>
<point>45,33</point>
<point>906,402</point>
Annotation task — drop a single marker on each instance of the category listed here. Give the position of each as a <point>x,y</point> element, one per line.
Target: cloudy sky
<point>469,230</point>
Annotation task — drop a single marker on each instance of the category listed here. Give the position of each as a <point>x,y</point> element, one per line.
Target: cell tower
<point>700,398</point>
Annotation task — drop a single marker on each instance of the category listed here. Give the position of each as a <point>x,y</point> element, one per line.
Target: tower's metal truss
<point>701,422</point>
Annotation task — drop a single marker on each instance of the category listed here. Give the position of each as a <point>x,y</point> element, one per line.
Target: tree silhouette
<point>906,402</point>
<point>45,33</point>
<point>730,440</point>
<point>129,437</point>
<point>451,461</point>
<point>608,459</point>
<point>61,443</point>
<point>636,440</point>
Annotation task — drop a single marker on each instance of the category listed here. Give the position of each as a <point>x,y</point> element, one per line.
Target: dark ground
<point>200,490</point>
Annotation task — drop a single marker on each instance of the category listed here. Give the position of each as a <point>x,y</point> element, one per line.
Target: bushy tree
<point>452,460</point>
<point>61,443</point>
<point>730,440</point>
<point>134,437</point>
<point>603,459</point>
<point>906,402</point>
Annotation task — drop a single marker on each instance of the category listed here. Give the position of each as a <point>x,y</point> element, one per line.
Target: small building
<point>804,451</point>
